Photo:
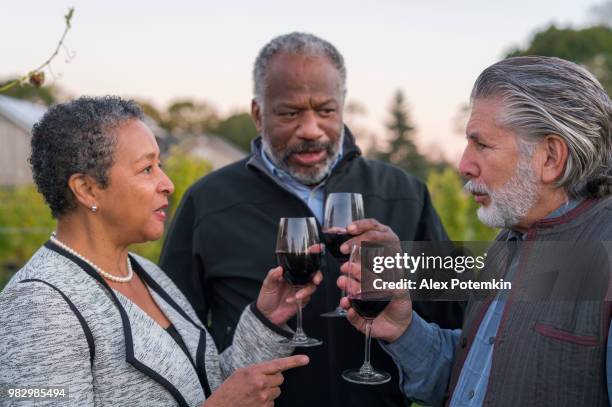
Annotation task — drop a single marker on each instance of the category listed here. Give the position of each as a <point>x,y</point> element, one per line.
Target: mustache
<point>308,147</point>
<point>475,188</point>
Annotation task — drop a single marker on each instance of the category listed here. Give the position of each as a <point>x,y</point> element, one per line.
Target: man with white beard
<point>511,201</point>
<point>538,160</point>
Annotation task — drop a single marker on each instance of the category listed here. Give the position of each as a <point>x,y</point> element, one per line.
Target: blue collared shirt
<point>314,198</point>
<point>424,353</point>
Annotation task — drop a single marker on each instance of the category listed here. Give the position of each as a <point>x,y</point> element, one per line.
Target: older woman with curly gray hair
<point>107,326</point>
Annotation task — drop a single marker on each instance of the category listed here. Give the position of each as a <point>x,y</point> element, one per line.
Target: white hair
<point>544,96</point>
<point>299,44</point>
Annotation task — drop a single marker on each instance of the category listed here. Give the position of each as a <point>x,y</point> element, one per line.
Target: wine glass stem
<point>339,308</point>
<point>366,368</point>
<point>342,295</point>
<point>299,332</point>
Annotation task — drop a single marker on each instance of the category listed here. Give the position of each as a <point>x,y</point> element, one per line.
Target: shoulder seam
<point>84,326</point>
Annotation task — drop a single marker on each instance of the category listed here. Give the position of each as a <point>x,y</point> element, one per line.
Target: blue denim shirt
<point>314,198</point>
<point>424,353</point>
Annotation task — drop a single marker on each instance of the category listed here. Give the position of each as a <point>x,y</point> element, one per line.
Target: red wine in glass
<point>333,241</point>
<point>370,304</point>
<point>341,209</point>
<point>299,252</point>
<point>299,268</point>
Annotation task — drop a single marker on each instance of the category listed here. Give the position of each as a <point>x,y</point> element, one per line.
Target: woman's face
<point>133,204</point>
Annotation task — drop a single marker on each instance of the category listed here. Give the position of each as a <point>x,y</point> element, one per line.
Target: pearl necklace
<point>103,273</point>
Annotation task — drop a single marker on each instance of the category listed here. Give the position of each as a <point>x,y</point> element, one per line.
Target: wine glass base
<point>301,343</point>
<point>337,313</point>
<point>372,378</point>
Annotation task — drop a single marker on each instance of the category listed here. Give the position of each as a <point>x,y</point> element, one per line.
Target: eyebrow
<point>286,105</point>
<point>474,136</point>
<point>290,105</point>
<point>147,156</point>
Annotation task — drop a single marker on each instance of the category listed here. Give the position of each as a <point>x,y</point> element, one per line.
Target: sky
<point>160,51</point>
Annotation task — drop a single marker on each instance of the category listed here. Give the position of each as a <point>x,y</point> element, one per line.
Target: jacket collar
<point>563,219</point>
<point>148,347</point>
<point>551,222</point>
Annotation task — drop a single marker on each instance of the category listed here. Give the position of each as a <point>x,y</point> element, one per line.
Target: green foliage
<point>238,129</point>
<point>457,209</point>
<point>46,95</point>
<point>183,170</point>
<point>25,224</point>
<point>591,47</point>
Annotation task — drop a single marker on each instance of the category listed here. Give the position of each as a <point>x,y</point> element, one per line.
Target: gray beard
<point>307,178</point>
<point>511,202</point>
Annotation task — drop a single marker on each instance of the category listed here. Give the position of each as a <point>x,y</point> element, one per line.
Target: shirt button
<point>492,340</point>
<point>471,394</point>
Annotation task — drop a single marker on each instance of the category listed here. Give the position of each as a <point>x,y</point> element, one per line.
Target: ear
<point>555,157</point>
<point>83,188</point>
<point>256,115</point>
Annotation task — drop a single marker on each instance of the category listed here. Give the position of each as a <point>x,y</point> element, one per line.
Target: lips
<point>160,212</point>
<point>309,158</point>
<point>481,198</point>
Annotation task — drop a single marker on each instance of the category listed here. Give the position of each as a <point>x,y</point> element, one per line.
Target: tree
<point>355,114</point>
<point>151,111</point>
<point>591,47</point>
<point>238,129</point>
<point>402,151</point>
<point>186,117</point>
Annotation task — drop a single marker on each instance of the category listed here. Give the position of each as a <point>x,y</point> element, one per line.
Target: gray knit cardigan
<point>62,325</point>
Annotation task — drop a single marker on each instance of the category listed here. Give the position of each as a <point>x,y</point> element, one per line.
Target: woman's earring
<point>94,208</point>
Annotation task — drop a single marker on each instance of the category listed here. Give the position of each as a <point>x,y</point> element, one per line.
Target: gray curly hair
<point>76,137</point>
<point>543,96</point>
<point>300,44</point>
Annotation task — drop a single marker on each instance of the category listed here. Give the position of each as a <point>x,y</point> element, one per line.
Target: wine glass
<point>341,209</point>
<point>368,302</point>
<point>299,253</point>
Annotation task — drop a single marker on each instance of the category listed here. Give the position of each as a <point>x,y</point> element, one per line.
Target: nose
<point>309,128</point>
<point>468,166</point>
<point>165,185</point>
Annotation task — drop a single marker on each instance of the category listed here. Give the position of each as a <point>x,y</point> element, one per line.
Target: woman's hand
<point>256,385</point>
<point>276,300</point>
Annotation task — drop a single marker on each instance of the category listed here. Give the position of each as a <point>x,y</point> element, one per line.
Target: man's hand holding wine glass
<point>389,325</point>
<point>367,230</point>
<point>397,316</point>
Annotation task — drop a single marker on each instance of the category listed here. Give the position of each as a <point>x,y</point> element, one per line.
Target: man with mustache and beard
<point>223,237</point>
<point>539,161</point>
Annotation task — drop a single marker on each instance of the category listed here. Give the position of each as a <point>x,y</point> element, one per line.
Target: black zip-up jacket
<point>221,244</point>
